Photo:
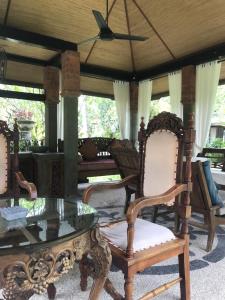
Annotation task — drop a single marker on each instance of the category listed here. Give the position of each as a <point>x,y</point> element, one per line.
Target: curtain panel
<point>144,98</point>
<point>122,97</point>
<point>175,93</point>
<point>60,119</point>
<point>207,78</point>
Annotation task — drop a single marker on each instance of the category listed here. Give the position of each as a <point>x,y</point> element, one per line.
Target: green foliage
<point>219,109</point>
<point>157,106</point>
<point>217,143</point>
<point>97,117</point>
<point>9,109</point>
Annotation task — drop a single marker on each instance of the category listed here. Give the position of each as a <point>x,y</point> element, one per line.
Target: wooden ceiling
<point>175,29</point>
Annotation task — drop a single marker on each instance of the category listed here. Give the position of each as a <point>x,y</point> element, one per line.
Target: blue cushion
<point>213,191</point>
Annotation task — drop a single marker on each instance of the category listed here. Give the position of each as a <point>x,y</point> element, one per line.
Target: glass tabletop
<point>48,221</point>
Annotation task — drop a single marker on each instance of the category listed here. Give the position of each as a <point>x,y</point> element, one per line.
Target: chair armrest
<point>138,204</point>
<point>164,198</point>
<point>29,186</point>
<point>106,186</point>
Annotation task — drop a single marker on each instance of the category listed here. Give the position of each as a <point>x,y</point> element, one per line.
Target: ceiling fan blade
<point>121,36</point>
<point>89,40</point>
<point>100,20</point>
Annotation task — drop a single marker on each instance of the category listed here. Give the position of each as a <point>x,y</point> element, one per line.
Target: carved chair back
<point>9,140</point>
<point>127,160</point>
<point>161,148</point>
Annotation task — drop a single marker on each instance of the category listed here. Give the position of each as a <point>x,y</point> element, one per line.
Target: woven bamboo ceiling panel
<point>174,29</point>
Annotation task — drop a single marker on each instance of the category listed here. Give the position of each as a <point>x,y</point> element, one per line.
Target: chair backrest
<point>161,153</point>
<point>200,197</point>
<point>127,160</point>
<point>8,141</point>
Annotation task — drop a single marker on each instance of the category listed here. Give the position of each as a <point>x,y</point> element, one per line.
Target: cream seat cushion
<point>146,234</point>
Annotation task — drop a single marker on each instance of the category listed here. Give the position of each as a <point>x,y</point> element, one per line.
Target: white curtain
<point>60,119</point>
<point>144,98</point>
<point>175,93</point>
<point>207,78</point>
<point>122,97</point>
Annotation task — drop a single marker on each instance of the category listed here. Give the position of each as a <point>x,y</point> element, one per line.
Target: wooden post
<point>51,86</point>
<point>70,93</point>
<point>188,92</point>
<point>134,111</point>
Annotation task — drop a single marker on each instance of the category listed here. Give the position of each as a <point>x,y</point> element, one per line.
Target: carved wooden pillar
<point>188,92</point>
<point>51,86</point>
<point>70,93</point>
<point>133,111</point>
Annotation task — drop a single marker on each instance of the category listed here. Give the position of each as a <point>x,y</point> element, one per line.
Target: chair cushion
<point>213,191</point>
<point>146,234</point>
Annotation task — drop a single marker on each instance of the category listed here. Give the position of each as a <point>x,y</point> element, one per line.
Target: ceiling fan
<point>106,34</point>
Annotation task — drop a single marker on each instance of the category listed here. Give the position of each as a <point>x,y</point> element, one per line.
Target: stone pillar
<point>51,86</point>
<point>188,91</point>
<point>70,93</point>
<point>134,111</point>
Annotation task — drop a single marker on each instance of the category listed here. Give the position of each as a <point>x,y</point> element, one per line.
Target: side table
<point>37,251</point>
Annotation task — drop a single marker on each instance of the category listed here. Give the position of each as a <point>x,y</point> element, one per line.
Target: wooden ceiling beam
<point>26,60</point>
<point>130,42</point>
<point>7,13</point>
<point>22,83</point>
<point>85,69</point>
<point>205,55</point>
<point>35,39</point>
<point>154,29</point>
<point>212,53</point>
<point>22,95</point>
<point>97,94</point>
<point>104,73</point>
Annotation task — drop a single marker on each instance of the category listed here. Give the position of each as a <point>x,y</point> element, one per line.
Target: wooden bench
<point>94,157</point>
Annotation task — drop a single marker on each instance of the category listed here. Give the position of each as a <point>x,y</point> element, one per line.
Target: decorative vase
<point>25,127</point>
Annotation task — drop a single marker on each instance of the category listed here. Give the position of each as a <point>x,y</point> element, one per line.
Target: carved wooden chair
<point>202,203</point>
<point>135,243</point>
<point>11,179</point>
<point>128,163</point>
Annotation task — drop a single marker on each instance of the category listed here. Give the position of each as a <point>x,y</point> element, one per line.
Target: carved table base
<point>24,274</point>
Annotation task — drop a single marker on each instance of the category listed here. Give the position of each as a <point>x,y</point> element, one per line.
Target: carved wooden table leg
<point>24,274</point>
<point>101,254</point>
<point>51,290</point>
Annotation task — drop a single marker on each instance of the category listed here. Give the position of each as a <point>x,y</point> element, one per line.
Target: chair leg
<point>128,286</point>
<point>51,290</point>
<point>83,266</point>
<point>184,271</point>
<point>212,231</point>
<point>155,213</point>
<point>128,197</point>
<point>177,222</point>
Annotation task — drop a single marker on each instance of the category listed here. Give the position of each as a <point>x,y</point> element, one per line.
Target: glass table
<point>37,250</point>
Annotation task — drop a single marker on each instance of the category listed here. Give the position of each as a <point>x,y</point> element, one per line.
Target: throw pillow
<point>88,150</point>
<point>213,191</point>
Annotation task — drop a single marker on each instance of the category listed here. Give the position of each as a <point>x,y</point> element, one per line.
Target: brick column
<point>70,93</point>
<point>188,91</point>
<point>133,111</point>
<point>51,86</point>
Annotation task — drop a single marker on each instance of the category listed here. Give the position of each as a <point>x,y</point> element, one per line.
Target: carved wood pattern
<point>12,137</point>
<point>46,266</point>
